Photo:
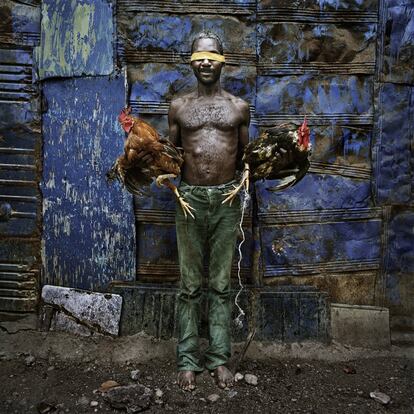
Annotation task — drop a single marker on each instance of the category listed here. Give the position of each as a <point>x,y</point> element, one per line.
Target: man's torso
<point>209,130</point>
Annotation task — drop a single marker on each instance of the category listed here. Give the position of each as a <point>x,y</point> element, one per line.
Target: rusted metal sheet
<point>19,274</point>
<point>315,248</point>
<point>316,192</point>
<point>330,11</point>
<point>152,37</point>
<point>237,7</point>
<point>20,160</point>
<point>313,60</point>
<point>76,38</point>
<point>393,150</point>
<point>20,22</point>
<point>89,235</point>
<point>299,48</point>
<point>324,99</point>
<point>396,45</point>
<point>157,259</point>
<point>399,266</point>
<point>288,313</point>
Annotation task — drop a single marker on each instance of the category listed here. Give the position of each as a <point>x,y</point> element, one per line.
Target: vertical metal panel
<point>395,61</point>
<point>399,263</point>
<point>89,234</point>
<point>77,38</point>
<point>20,158</point>
<point>317,59</point>
<point>393,151</point>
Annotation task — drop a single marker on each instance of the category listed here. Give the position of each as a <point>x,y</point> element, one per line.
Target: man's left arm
<point>243,141</point>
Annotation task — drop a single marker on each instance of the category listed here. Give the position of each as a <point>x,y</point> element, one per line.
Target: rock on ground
<point>133,398</point>
<point>251,379</point>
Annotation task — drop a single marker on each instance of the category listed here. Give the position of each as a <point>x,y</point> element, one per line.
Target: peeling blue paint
<point>77,38</point>
<point>89,234</point>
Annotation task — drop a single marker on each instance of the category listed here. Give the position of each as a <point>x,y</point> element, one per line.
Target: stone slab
<point>99,312</point>
<point>365,326</point>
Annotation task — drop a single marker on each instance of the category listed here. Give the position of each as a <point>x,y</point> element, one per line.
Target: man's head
<point>206,69</point>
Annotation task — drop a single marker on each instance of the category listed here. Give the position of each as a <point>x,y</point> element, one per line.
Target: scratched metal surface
<point>394,144</point>
<point>89,235</point>
<point>345,8</point>
<point>77,38</point>
<point>318,58</point>
<point>20,158</point>
<point>395,63</point>
<point>287,313</point>
<point>20,23</point>
<point>147,37</point>
<point>297,48</point>
<point>399,265</point>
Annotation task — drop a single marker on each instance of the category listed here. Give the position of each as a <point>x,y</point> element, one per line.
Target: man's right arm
<point>173,125</point>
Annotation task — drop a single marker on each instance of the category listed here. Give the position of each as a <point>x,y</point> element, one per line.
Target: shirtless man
<point>212,127</point>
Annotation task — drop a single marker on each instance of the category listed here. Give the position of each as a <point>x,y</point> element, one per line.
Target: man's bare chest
<point>209,115</point>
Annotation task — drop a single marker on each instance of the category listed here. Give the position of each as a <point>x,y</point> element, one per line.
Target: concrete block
<point>97,312</point>
<point>366,326</point>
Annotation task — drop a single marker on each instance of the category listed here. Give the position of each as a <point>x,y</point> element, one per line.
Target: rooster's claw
<point>186,207</point>
<point>232,194</point>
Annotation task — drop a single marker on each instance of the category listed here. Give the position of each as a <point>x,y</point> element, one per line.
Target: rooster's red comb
<point>304,135</point>
<point>125,120</point>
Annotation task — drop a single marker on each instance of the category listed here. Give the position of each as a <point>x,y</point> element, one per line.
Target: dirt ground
<point>290,385</point>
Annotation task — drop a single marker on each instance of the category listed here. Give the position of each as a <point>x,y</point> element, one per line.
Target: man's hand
<point>245,181</point>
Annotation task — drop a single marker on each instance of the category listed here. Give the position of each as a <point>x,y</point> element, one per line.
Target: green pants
<point>213,232</point>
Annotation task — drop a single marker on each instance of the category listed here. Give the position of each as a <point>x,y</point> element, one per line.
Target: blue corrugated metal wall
<point>346,228</point>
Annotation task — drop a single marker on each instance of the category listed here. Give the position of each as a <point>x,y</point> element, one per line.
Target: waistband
<point>212,187</point>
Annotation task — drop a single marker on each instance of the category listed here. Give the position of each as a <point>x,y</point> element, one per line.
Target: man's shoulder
<point>181,100</point>
<point>239,102</point>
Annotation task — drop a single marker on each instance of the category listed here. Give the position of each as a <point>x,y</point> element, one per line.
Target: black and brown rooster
<point>130,169</point>
<point>281,153</point>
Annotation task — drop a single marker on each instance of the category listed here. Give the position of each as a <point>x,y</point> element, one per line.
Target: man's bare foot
<point>186,380</point>
<point>224,377</point>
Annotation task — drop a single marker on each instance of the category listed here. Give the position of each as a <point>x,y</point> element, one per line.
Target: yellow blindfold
<point>207,55</point>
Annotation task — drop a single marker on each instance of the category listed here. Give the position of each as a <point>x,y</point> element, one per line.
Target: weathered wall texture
<point>336,61</point>
<point>345,229</point>
<point>89,235</point>
<point>20,158</point>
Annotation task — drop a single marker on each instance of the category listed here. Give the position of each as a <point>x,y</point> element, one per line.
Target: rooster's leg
<point>184,205</point>
<point>164,177</point>
<point>244,183</point>
<point>231,195</point>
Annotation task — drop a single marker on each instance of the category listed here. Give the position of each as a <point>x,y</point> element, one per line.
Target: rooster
<point>281,152</point>
<point>133,172</point>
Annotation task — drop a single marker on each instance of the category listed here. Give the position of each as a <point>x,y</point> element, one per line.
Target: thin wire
<point>245,202</point>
